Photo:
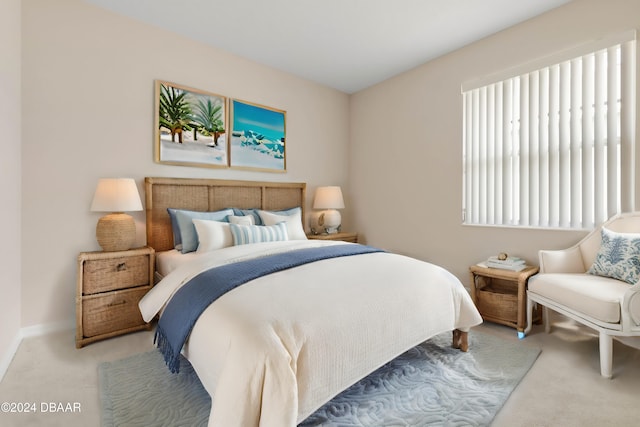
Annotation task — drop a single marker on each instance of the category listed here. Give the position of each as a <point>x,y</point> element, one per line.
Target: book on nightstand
<point>510,263</point>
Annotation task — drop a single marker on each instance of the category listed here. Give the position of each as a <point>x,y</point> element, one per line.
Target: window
<point>553,147</point>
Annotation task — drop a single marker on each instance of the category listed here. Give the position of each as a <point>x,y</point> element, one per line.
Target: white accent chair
<point>610,306</point>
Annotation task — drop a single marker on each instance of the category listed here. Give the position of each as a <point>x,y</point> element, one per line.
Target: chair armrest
<point>561,261</point>
<point>631,308</point>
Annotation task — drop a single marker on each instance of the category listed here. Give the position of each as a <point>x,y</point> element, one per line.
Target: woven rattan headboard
<point>211,195</point>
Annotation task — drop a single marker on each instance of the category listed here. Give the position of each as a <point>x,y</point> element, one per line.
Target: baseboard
<point>47,328</point>
<point>31,331</point>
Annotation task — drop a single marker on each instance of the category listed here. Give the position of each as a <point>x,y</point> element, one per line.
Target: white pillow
<point>242,220</point>
<point>295,231</point>
<point>245,234</point>
<point>212,235</point>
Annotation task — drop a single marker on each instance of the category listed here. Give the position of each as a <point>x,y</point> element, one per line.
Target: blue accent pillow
<point>256,217</point>
<point>177,241</point>
<point>618,257</point>
<point>185,237</point>
<point>244,234</point>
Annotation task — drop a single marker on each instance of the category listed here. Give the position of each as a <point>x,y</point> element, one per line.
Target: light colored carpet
<point>563,388</point>
<point>431,384</point>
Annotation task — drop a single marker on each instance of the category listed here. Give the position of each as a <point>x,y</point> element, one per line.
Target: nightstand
<point>110,285</point>
<point>501,295</point>
<point>342,236</point>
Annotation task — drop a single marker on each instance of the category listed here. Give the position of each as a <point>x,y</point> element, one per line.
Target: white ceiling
<point>345,44</point>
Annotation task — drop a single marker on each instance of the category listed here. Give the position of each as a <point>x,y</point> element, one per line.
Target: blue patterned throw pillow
<point>618,257</point>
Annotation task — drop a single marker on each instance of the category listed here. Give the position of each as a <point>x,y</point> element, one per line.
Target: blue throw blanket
<point>193,298</point>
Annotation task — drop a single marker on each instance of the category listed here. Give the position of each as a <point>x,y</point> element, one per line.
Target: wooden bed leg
<point>460,340</point>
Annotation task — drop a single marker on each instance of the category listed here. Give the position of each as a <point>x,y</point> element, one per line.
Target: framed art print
<point>190,126</point>
<point>257,138</point>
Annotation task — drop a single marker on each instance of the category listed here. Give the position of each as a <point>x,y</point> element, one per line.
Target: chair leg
<point>545,319</point>
<point>529,318</point>
<point>606,355</point>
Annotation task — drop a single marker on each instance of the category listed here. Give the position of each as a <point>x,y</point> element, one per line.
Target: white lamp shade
<point>328,198</point>
<point>116,195</point>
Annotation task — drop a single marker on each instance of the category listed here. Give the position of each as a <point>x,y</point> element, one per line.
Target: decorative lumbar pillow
<point>244,234</point>
<point>618,257</point>
<point>293,221</point>
<point>212,235</point>
<point>242,220</point>
<point>188,235</point>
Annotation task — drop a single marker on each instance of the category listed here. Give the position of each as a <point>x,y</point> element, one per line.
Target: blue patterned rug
<point>431,384</point>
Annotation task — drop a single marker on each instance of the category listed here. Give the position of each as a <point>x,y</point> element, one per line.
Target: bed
<point>272,351</point>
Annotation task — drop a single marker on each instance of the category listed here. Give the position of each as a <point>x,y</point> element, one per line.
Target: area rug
<point>431,384</point>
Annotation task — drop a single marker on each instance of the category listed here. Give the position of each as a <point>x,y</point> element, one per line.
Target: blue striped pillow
<point>243,234</point>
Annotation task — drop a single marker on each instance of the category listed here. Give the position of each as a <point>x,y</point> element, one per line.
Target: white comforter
<point>274,350</point>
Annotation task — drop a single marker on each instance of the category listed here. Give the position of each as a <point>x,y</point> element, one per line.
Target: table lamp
<point>116,231</point>
<point>330,199</point>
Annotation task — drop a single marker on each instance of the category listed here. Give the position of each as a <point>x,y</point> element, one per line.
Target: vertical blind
<point>552,147</point>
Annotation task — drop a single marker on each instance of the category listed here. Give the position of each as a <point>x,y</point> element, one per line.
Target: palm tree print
<point>175,111</point>
<point>207,118</point>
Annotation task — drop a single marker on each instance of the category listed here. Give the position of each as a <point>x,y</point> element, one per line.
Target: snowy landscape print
<point>190,126</point>
<point>257,137</point>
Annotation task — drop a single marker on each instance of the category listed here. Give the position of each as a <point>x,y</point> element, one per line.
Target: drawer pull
<point>121,267</point>
<point>114,304</point>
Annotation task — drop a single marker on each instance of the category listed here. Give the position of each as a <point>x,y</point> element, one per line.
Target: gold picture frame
<point>257,137</point>
<point>190,126</point>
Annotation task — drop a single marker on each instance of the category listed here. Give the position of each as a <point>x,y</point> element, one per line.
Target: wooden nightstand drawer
<point>109,287</point>
<point>102,275</point>
<point>113,311</point>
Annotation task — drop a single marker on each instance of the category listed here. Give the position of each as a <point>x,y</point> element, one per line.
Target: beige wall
<point>9,179</point>
<point>405,169</point>
<point>88,79</point>
<point>87,98</point>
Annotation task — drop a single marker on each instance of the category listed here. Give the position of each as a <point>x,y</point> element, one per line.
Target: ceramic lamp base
<point>330,221</point>
<point>116,232</point>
